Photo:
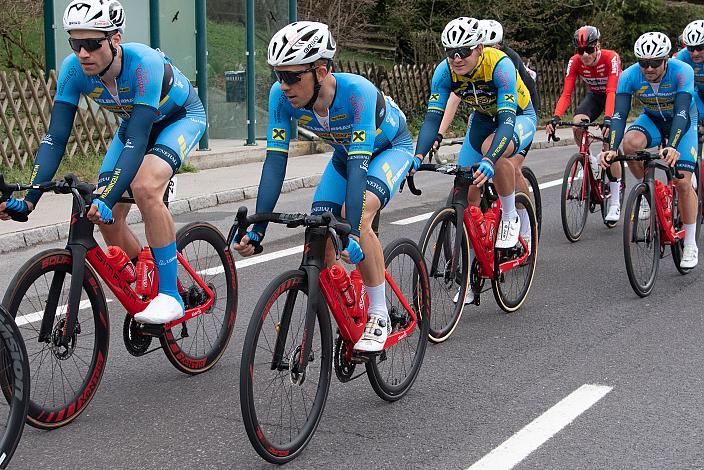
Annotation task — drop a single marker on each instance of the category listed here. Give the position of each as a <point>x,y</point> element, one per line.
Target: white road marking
<point>520,445</point>
<point>37,316</point>
<point>252,261</point>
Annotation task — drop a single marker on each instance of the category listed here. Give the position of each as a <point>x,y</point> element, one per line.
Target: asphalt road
<point>582,324</point>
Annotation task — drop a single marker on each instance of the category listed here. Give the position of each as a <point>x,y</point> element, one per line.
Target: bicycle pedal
<point>151,329</point>
<point>476,300</point>
<point>362,357</point>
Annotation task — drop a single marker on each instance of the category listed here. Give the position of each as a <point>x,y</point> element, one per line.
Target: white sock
<point>690,234</point>
<point>525,222</point>
<point>615,188</point>
<point>377,300</point>
<point>508,206</point>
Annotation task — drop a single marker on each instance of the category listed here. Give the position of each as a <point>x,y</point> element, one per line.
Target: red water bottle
<point>121,263</point>
<point>342,283</point>
<point>491,220</point>
<point>145,272</point>
<point>360,293</point>
<point>664,195</point>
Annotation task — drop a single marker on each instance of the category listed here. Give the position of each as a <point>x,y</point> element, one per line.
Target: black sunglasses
<point>654,63</point>
<point>90,44</point>
<point>290,78</point>
<point>588,50</point>
<point>698,48</point>
<point>459,52</point>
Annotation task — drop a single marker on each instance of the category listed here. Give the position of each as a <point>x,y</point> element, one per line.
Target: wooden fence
<point>26,100</point>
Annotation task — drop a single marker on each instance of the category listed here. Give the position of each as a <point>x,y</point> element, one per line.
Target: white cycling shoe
<point>614,214</point>
<point>690,257</point>
<point>162,309</point>
<point>468,297</point>
<point>375,334</point>
<point>507,235</point>
<point>644,211</point>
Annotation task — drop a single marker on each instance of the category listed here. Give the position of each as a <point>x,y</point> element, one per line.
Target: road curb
<point>49,233</point>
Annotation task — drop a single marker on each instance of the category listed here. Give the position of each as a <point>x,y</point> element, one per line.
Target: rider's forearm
<point>453,103</point>
<point>503,135</point>
<point>428,131</point>
<point>680,118</point>
<point>132,155</point>
<point>270,184</point>
<point>618,121</point>
<point>356,190</point>
<point>52,147</point>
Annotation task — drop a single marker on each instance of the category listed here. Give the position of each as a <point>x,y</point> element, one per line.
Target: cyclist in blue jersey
<point>373,152</point>
<point>162,119</point>
<point>665,88</point>
<point>503,122</point>
<point>693,54</point>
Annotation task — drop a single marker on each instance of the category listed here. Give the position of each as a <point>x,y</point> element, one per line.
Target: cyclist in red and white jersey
<point>599,69</point>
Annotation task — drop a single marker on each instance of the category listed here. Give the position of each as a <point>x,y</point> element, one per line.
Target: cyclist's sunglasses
<point>290,78</point>
<point>459,52</point>
<point>654,63</point>
<point>698,48</point>
<point>588,50</point>
<point>90,44</point>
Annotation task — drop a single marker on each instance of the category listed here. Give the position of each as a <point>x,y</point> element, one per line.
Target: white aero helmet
<point>95,15</point>
<point>652,45</point>
<point>302,42</point>
<point>493,32</point>
<point>462,32</point>
<point>693,34</point>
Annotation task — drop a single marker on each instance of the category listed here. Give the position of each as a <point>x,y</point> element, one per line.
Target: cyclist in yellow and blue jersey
<point>693,54</point>
<point>503,122</point>
<point>373,152</point>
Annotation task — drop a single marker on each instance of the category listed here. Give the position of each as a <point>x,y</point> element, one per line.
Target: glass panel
<point>177,28</point>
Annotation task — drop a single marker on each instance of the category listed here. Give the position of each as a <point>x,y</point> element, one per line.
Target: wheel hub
<point>297,376</point>
<point>64,351</point>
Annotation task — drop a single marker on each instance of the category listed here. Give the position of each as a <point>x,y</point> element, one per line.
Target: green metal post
<point>202,63</point>
<point>251,79</point>
<point>49,43</point>
<point>154,32</point>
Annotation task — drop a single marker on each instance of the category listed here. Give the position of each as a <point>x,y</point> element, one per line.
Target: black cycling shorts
<point>592,105</point>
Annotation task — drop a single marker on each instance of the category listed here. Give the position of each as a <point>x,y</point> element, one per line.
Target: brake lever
<point>336,242</point>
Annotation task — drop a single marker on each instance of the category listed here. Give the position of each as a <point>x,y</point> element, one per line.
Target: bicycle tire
<point>650,236</point>
<point>444,285</point>
<point>537,200</point>
<point>260,435</point>
<point>26,303</point>
<point>14,380</point>
<point>572,173</point>
<point>215,265</point>
<point>387,384</point>
<point>678,248</point>
<point>499,286</point>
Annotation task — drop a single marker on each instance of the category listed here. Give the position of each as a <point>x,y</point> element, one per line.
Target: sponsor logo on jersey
<point>278,134</point>
<point>510,97</point>
<point>683,114</point>
<point>339,117</point>
<point>359,137</point>
<point>97,91</point>
<point>124,89</point>
<point>434,97</point>
<point>614,65</point>
<point>303,120</point>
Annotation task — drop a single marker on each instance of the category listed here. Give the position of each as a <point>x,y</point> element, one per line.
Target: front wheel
<point>574,202</point>
<point>393,372</point>
<point>196,345</point>
<point>448,285</point>
<point>64,376</point>
<point>511,287</point>
<point>14,380</point>
<point>282,404</point>
<point>641,242</point>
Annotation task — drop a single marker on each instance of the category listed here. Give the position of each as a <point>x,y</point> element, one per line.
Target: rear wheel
<point>393,372</point>
<point>438,244</point>
<point>196,345</point>
<point>512,287</point>
<point>574,203</point>
<point>641,242</point>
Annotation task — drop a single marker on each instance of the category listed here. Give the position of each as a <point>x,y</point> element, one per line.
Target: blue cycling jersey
<point>147,77</point>
<point>669,101</point>
<point>361,124</point>
<point>685,56</point>
<point>148,90</point>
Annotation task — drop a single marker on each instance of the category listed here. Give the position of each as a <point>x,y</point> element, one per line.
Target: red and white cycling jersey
<point>601,78</point>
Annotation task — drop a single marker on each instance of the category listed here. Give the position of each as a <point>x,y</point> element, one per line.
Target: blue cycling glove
<point>415,164</point>
<point>255,239</point>
<point>355,251</point>
<point>486,168</point>
<point>103,209</point>
<point>17,205</point>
